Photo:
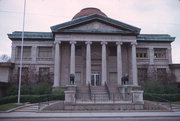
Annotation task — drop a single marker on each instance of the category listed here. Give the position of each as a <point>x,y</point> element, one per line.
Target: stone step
<point>99,93</point>
<point>105,97</point>
<point>176,108</point>
<point>98,87</point>
<point>98,90</point>
<point>28,108</point>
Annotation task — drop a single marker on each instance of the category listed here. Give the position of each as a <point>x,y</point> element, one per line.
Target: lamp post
<point>22,42</point>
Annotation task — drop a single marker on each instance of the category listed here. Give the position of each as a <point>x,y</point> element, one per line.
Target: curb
<point>89,115</point>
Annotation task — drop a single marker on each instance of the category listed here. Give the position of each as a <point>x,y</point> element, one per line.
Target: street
<point>97,119</point>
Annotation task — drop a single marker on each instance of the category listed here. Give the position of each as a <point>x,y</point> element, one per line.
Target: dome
<point>88,11</point>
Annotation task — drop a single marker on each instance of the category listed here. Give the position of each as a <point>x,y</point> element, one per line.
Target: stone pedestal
<point>137,97</point>
<point>125,88</point>
<point>71,87</point>
<point>70,97</point>
<point>70,94</point>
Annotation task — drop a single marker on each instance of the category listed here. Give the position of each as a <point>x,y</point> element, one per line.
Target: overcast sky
<point>152,16</point>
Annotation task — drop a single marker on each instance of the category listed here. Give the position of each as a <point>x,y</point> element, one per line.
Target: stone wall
<point>175,68</point>
<point>5,71</point>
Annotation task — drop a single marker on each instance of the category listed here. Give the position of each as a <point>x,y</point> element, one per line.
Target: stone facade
<point>95,48</point>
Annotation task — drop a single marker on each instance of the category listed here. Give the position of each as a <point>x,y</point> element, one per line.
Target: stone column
<point>134,65</point>
<point>104,63</point>
<point>119,63</point>
<point>72,58</point>
<point>57,65</point>
<point>88,62</point>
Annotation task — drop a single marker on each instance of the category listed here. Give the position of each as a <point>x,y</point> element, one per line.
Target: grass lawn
<point>6,107</point>
<point>178,103</point>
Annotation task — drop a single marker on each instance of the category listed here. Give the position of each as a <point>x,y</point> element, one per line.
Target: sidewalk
<point>88,115</point>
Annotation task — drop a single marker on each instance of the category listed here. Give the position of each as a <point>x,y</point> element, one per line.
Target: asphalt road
<point>98,119</point>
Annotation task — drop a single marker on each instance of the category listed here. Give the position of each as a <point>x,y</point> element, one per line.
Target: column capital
<point>133,43</point>
<point>88,42</point>
<point>57,42</point>
<point>119,43</point>
<point>72,42</point>
<point>103,42</point>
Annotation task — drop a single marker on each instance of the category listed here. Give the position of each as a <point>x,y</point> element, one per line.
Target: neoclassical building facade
<point>95,48</point>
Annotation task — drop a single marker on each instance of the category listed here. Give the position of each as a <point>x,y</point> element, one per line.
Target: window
<point>141,53</point>
<point>78,51</point>
<point>78,76</point>
<point>112,76</point>
<point>159,52</point>
<point>26,52</point>
<point>43,74</point>
<point>45,52</point>
<point>112,51</point>
<point>142,74</point>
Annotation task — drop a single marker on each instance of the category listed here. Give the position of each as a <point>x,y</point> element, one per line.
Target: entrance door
<point>95,79</point>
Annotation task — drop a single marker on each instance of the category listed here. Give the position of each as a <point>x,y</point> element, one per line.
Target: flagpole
<point>22,42</point>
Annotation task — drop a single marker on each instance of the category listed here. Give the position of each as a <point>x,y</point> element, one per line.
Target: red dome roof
<point>88,11</point>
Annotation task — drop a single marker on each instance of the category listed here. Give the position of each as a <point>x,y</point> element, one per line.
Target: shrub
<point>41,88</point>
<point>26,89</point>
<point>59,91</point>
<point>9,99</point>
<point>31,98</point>
<point>161,89</point>
<point>12,90</point>
<point>162,97</point>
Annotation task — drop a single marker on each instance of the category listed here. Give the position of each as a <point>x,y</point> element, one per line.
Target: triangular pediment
<point>95,24</point>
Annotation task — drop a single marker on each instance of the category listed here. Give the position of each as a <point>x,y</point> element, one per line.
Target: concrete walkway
<point>88,114</point>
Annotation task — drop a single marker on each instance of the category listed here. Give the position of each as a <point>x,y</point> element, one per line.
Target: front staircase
<point>92,94</point>
<point>99,94</point>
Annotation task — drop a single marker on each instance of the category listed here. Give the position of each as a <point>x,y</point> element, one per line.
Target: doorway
<point>95,79</point>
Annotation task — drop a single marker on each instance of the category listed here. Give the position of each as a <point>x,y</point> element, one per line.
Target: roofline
<point>155,38</point>
<point>7,64</point>
<point>31,35</point>
<point>40,36</point>
<point>174,65</point>
<point>92,17</point>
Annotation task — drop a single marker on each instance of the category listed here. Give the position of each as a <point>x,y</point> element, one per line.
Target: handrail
<point>89,87</point>
<point>107,88</point>
<point>162,100</point>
